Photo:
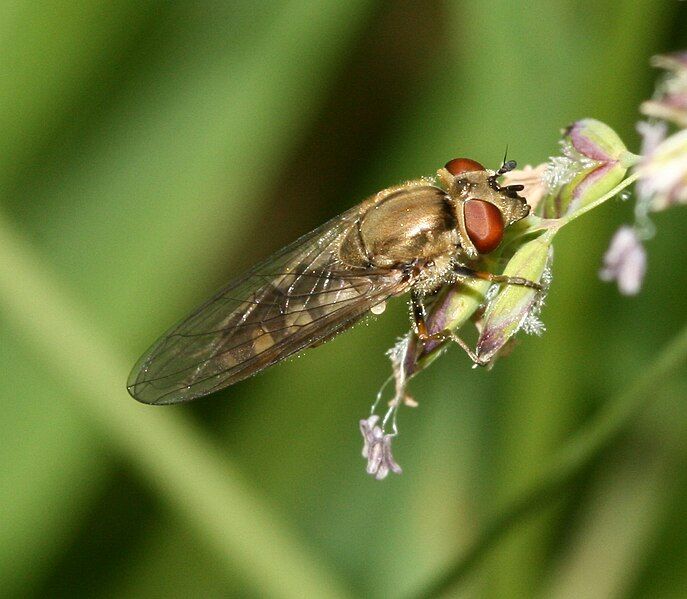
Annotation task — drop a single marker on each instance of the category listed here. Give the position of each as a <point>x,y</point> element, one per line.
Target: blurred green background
<point>149,151</point>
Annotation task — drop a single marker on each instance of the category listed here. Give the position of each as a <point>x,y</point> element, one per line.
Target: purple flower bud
<point>625,261</point>
<point>594,161</point>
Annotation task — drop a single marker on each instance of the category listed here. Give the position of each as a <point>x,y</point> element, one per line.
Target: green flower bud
<point>451,309</point>
<point>594,161</point>
<point>516,307</point>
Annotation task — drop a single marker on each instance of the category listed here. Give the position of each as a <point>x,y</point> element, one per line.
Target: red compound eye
<point>458,166</point>
<point>484,225</point>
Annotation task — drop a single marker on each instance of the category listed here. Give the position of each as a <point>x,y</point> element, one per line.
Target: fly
<point>413,237</point>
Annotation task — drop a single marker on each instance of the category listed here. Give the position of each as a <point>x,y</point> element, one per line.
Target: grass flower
<point>377,449</point>
<point>625,261</point>
<point>670,100</point>
<point>535,186</point>
<point>594,160</point>
<point>663,181</point>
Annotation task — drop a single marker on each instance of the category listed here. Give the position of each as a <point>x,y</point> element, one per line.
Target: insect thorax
<point>409,224</point>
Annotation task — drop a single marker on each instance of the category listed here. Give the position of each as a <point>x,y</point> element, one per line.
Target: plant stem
<point>607,196</point>
<point>194,477</point>
<point>569,463</point>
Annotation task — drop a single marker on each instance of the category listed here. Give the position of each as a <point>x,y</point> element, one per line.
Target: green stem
<point>196,478</point>
<point>607,196</point>
<point>572,460</point>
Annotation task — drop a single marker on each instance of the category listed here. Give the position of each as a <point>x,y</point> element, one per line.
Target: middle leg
<point>423,334</point>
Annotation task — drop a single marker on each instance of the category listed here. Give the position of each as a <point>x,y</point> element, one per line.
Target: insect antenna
<point>506,167</point>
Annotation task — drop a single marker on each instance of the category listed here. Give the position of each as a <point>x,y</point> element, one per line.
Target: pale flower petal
<point>377,449</point>
<point>625,261</point>
<point>532,179</point>
<point>663,173</point>
<point>670,100</point>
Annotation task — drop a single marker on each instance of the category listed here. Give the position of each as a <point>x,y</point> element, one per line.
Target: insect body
<point>414,237</point>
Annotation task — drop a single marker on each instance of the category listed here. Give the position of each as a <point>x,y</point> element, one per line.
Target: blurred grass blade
<point>48,56</point>
<point>571,461</point>
<point>162,167</point>
<point>53,469</point>
<point>188,471</point>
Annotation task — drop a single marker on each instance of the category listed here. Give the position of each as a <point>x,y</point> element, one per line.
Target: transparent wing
<point>299,297</point>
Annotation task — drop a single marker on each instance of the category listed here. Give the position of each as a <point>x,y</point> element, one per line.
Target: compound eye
<point>484,224</point>
<point>458,166</point>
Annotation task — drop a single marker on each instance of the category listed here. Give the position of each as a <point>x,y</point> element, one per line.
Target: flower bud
<point>453,307</point>
<point>594,161</point>
<point>515,306</point>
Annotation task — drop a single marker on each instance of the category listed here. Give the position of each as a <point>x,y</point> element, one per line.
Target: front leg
<point>420,320</point>
<point>464,271</point>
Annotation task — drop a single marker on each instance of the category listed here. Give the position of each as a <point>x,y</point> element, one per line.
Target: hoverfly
<point>413,237</point>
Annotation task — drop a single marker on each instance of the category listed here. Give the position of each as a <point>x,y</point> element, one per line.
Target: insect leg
<point>420,320</point>
<point>464,271</point>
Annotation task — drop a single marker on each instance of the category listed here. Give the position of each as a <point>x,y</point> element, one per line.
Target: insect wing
<point>299,297</point>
